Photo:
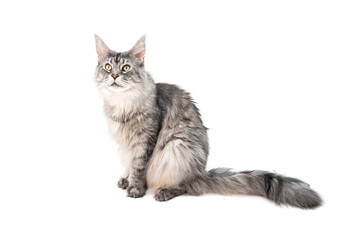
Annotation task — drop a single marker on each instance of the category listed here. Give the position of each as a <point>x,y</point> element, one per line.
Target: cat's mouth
<point>115,85</point>
<point>119,87</point>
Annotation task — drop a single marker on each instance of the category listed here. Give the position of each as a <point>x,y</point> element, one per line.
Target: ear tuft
<point>138,50</point>
<point>101,48</point>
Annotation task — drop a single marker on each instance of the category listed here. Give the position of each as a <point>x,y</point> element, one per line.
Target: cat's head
<point>120,71</point>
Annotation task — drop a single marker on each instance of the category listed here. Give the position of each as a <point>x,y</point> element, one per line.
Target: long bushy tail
<point>277,188</point>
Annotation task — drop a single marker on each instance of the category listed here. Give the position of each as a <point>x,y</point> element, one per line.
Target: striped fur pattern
<point>164,143</point>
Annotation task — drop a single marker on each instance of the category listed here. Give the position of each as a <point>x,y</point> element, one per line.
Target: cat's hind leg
<point>165,194</point>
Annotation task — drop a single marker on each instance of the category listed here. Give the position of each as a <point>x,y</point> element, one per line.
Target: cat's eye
<point>126,68</point>
<point>108,67</point>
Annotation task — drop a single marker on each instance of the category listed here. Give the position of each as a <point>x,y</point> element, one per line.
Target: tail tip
<point>309,199</point>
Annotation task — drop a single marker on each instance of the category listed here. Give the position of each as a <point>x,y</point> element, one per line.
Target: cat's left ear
<point>101,48</point>
<point>138,50</point>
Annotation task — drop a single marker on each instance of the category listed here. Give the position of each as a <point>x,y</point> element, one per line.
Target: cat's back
<point>170,97</point>
<point>179,115</point>
<point>177,106</point>
<point>182,146</point>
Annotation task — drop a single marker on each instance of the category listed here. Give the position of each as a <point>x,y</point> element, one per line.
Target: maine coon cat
<point>164,142</point>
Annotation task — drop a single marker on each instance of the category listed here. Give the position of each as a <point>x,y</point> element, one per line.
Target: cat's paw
<point>136,191</point>
<point>163,194</point>
<point>123,183</point>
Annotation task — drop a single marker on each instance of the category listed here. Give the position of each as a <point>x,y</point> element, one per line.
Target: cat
<point>164,143</point>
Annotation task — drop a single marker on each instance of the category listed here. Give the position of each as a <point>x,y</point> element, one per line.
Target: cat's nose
<point>114,76</point>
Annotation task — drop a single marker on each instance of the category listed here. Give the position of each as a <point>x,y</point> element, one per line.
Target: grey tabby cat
<point>164,142</point>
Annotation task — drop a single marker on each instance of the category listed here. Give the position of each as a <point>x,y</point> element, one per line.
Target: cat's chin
<point>119,88</point>
<point>114,89</point>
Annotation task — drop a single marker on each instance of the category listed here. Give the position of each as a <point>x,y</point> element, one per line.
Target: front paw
<point>135,191</point>
<point>123,183</point>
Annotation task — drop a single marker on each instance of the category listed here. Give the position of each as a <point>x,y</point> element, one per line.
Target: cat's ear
<point>101,48</point>
<point>138,50</point>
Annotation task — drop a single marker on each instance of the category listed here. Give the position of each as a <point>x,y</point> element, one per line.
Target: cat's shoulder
<point>166,89</point>
<point>172,95</point>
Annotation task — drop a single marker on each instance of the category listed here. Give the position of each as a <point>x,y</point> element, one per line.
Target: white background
<point>273,81</point>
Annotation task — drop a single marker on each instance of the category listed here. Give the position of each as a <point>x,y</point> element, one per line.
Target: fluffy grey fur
<point>164,142</point>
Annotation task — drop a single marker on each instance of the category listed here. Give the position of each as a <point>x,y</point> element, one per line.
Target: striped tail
<point>279,189</point>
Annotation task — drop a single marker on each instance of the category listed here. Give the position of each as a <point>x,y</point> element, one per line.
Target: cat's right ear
<point>138,50</point>
<point>101,48</point>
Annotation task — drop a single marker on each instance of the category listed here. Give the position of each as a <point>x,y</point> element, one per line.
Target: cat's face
<point>119,72</point>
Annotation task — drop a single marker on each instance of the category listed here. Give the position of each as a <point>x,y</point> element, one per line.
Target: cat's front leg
<point>137,178</point>
<point>123,183</point>
<point>140,150</point>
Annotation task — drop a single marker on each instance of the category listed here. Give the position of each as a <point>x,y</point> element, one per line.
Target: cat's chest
<point>125,134</point>
<point>115,129</point>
